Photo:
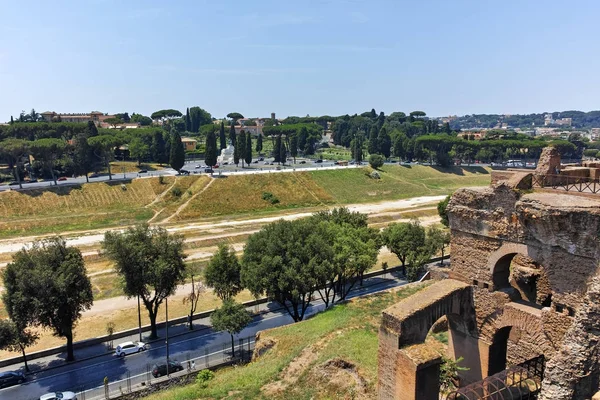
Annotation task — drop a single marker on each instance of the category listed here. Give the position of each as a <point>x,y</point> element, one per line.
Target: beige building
<point>189,144</point>
<point>96,116</point>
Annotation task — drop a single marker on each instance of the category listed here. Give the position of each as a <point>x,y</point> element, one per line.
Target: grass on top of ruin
<point>295,367</point>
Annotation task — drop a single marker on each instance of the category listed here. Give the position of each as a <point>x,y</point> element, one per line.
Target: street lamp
<point>167,331</point>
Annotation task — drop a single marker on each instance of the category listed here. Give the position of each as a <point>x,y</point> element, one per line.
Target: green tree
<point>17,337</point>
<point>158,149</point>
<point>48,151</point>
<point>356,147</point>
<point>113,121</point>
<point>199,117</point>
<point>277,150</point>
<point>259,143</point>
<point>231,317</point>
<point>241,147</point>
<point>13,150</point>
<point>141,119</point>
<point>232,135</point>
<point>150,264</point>
<point>222,137</point>
<point>167,114</point>
<point>442,211</point>
<point>223,273</point>
<point>294,147</point>
<point>384,142</point>
<point>210,154</point>
<point>248,151</point>
<point>83,154</point>
<point>138,150</point>
<point>188,123</point>
<point>277,262</point>
<point>282,152</point>
<point>49,280</point>
<point>302,138</point>
<point>372,147</point>
<point>177,155</point>
<point>376,161</point>
<point>404,238</point>
<point>437,239</point>
<point>12,121</point>
<point>235,116</point>
<point>103,147</point>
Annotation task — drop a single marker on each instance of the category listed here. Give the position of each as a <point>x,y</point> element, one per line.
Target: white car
<point>59,396</point>
<point>129,348</point>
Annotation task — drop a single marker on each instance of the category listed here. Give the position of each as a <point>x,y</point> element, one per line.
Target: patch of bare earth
<point>297,366</point>
<point>342,376</point>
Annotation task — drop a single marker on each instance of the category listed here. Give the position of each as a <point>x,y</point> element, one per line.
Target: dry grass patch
<point>244,193</point>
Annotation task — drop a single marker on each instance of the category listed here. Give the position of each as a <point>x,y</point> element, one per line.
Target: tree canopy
<point>223,273</point>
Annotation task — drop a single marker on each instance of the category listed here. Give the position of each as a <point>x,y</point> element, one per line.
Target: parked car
<point>318,161</point>
<point>261,159</point>
<point>94,176</point>
<point>226,163</point>
<point>13,183</point>
<point>143,171</point>
<point>266,163</point>
<point>208,170</point>
<point>59,396</point>
<point>184,172</point>
<point>160,369</point>
<point>32,181</point>
<point>62,178</point>
<point>129,348</point>
<point>255,162</point>
<point>302,162</point>
<point>215,166</point>
<point>198,166</point>
<point>10,378</point>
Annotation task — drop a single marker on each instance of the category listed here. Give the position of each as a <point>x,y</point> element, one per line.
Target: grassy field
<point>239,194</point>
<point>87,206</point>
<point>298,367</point>
<point>101,205</point>
<point>397,182</point>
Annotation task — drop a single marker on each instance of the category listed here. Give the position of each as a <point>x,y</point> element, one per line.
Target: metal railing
<point>193,361</point>
<point>567,183</point>
<point>520,382</point>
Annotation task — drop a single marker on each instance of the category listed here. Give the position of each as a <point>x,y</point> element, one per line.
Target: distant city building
<point>476,135</point>
<point>548,120</point>
<point>96,116</point>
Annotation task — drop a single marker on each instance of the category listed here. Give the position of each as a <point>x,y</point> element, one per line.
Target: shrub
<point>376,161</point>
<point>123,187</point>
<point>270,197</point>
<point>161,180</point>
<point>176,192</point>
<point>204,376</point>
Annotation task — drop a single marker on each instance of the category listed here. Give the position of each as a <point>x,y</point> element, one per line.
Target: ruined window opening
<point>559,308</point>
<point>475,282</point>
<point>498,350</point>
<point>571,312</point>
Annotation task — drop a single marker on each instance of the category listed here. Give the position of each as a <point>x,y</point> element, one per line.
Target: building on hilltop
<point>189,144</point>
<point>520,300</point>
<point>96,116</point>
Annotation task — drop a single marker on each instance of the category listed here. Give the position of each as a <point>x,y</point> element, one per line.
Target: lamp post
<point>167,331</point>
<point>139,319</point>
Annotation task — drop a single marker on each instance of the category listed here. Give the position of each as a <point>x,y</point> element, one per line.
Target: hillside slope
<point>330,356</point>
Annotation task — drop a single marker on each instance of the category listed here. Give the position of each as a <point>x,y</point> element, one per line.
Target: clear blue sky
<point>299,57</point>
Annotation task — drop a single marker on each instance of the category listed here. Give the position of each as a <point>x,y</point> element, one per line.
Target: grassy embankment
<point>297,367</point>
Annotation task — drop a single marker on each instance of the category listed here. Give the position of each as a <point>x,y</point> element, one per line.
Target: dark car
<point>318,161</point>
<point>32,181</point>
<point>302,162</point>
<point>160,369</point>
<point>261,159</point>
<point>184,172</point>
<point>13,183</point>
<point>142,171</point>
<point>94,175</point>
<point>10,378</point>
<point>208,170</point>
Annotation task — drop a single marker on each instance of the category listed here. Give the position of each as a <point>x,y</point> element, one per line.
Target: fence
<point>567,183</point>
<point>203,358</point>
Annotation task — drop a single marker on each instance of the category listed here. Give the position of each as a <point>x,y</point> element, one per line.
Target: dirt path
<point>96,236</point>
<point>184,205</point>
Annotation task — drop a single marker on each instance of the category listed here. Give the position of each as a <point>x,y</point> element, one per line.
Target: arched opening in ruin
<point>498,350</point>
<point>523,278</point>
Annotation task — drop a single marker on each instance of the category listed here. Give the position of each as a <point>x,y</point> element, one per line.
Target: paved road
<point>90,373</point>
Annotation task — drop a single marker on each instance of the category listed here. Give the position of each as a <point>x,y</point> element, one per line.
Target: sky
<point>299,57</point>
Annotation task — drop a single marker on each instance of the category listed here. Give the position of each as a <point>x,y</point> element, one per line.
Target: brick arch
<point>506,249</point>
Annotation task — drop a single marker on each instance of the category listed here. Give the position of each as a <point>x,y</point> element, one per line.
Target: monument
<point>226,155</point>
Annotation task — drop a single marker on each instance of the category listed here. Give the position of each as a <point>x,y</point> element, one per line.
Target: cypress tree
<point>294,147</point>
<point>177,155</point>
<point>241,141</point>
<point>282,152</point>
<point>232,134</point>
<point>372,147</point>
<point>248,148</point>
<point>12,121</point>
<point>210,154</point>
<point>158,147</point>
<point>384,143</point>
<point>302,138</point>
<point>188,122</point>
<point>259,144</point>
<point>277,150</point>
<point>222,138</point>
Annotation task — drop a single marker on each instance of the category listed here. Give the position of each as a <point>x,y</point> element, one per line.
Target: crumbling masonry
<point>524,281</point>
